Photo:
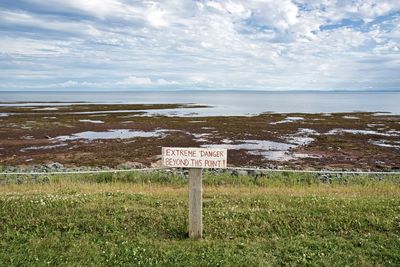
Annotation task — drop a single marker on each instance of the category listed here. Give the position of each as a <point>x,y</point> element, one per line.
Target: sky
<point>199,44</point>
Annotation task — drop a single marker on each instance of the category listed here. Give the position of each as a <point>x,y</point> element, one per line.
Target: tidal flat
<point>82,134</point>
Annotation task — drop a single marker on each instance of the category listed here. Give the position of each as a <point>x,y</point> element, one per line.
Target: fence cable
<point>228,168</point>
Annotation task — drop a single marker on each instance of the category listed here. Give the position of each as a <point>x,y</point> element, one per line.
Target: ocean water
<point>229,102</point>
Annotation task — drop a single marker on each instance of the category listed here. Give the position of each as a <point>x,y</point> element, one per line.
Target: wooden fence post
<point>195,203</point>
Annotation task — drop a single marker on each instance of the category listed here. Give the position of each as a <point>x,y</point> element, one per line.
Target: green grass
<point>141,220</point>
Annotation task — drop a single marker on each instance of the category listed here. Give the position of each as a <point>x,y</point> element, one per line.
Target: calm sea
<point>232,102</point>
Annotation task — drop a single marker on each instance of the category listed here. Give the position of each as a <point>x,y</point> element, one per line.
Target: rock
<point>131,165</point>
<point>104,168</point>
<point>55,166</point>
<point>218,171</point>
<point>156,164</point>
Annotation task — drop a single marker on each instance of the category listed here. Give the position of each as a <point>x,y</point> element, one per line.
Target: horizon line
<point>198,90</point>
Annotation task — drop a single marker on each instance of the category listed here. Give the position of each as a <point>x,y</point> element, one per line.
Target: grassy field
<point>141,220</point>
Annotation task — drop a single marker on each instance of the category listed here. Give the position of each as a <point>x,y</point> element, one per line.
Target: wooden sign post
<point>195,159</point>
<point>195,203</point>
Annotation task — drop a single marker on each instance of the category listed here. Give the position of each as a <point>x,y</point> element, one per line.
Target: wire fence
<point>83,172</point>
<point>248,169</point>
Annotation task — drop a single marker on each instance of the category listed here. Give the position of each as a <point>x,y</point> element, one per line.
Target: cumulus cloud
<point>133,80</point>
<point>144,81</point>
<point>280,15</point>
<point>254,44</point>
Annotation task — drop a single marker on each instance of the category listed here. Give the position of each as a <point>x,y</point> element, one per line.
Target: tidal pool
<point>364,132</point>
<point>92,121</point>
<point>110,134</point>
<point>277,151</point>
<point>43,147</point>
<point>288,120</point>
<point>386,143</point>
